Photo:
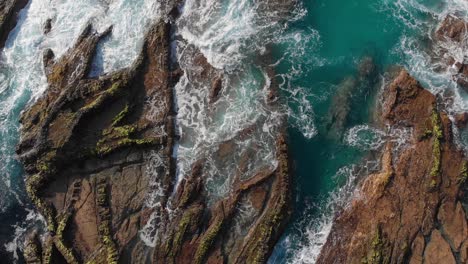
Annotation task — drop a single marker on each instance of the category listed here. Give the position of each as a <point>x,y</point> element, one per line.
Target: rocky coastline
<point>86,143</point>
<point>9,10</point>
<point>413,210</point>
<point>85,146</point>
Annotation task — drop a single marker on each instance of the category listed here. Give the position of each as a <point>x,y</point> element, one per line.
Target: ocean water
<point>328,57</point>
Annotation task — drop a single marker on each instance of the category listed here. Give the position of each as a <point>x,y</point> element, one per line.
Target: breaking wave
<point>425,56</point>
<point>304,246</point>
<point>236,39</point>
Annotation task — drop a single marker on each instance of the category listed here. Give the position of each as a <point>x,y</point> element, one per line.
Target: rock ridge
<point>412,211</point>
<point>89,145</point>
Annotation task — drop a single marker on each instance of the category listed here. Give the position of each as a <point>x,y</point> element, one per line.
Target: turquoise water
<point>348,31</point>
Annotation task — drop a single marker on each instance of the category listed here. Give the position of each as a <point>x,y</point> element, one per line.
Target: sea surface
<point>329,58</point>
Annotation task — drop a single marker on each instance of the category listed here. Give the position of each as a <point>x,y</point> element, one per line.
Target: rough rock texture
<point>87,144</point>
<point>410,212</point>
<point>454,31</point>
<point>453,28</point>
<point>8,13</point>
<point>83,145</point>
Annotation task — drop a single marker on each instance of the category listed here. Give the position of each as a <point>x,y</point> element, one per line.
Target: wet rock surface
<point>9,10</point>
<point>83,144</point>
<point>454,31</point>
<point>86,146</point>
<point>411,211</point>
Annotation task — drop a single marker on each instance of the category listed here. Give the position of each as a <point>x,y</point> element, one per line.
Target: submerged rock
<point>411,211</point>
<point>351,92</point>
<point>47,26</point>
<point>461,119</point>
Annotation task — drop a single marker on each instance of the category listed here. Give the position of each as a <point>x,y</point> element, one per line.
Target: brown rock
<point>83,144</point>
<point>464,252</point>
<point>461,119</point>
<point>86,233</point>
<point>454,225</point>
<point>418,249</point>
<point>9,10</point>
<point>452,28</point>
<point>409,198</point>
<point>216,87</point>
<point>86,145</point>
<point>438,250</point>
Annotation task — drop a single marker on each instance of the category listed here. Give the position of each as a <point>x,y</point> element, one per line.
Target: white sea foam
<point>203,128</point>
<point>313,230</point>
<point>151,231</point>
<point>33,219</point>
<point>233,36</point>
<point>130,20</point>
<point>366,137</point>
<point>428,62</point>
<point>231,33</point>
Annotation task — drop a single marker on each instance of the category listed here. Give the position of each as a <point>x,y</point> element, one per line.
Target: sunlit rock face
<point>122,167</point>
<point>418,193</point>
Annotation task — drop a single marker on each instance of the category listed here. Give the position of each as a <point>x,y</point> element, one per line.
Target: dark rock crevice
<point>9,10</point>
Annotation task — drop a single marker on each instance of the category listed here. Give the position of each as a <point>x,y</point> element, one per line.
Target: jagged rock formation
<point>83,145</point>
<point>454,31</point>
<point>412,211</point>
<point>87,144</point>
<point>8,12</point>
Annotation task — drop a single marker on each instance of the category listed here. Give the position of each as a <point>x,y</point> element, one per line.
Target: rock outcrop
<point>8,14</point>
<point>412,211</point>
<point>88,145</point>
<point>453,31</point>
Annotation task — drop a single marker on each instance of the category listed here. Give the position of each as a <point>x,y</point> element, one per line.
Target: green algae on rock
<point>406,210</point>
<point>85,144</point>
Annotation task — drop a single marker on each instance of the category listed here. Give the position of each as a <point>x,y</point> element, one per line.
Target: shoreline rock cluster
<point>414,209</point>
<point>85,146</point>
